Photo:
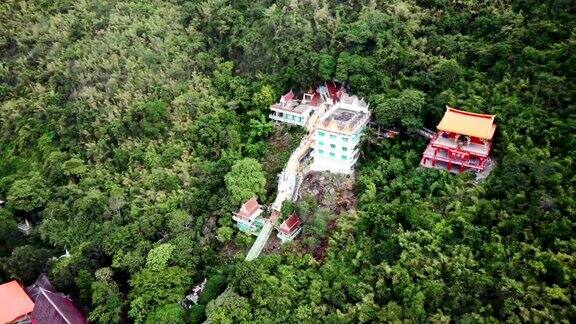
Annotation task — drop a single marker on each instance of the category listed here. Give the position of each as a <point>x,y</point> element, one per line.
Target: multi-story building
<point>337,135</point>
<point>337,124</point>
<point>463,142</point>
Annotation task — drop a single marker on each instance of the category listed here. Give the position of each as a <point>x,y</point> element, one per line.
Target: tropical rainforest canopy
<point>130,130</point>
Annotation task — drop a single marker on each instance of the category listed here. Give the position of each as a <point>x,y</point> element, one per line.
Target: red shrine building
<point>290,228</point>
<point>462,143</point>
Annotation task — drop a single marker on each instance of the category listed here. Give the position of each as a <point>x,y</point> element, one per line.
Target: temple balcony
<point>474,148</point>
<point>439,158</point>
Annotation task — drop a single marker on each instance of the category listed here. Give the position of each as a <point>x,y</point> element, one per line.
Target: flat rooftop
<point>343,118</point>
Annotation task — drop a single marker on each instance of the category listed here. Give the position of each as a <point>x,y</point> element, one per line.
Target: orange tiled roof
<point>14,302</point>
<point>468,123</point>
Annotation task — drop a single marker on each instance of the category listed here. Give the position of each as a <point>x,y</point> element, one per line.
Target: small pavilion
<point>290,228</point>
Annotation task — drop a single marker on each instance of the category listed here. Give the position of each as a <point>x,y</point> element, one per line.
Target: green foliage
<point>28,194</point>
<point>74,167</point>
<point>154,287</point>
<point>197,314</point>
<point>151,118</point>
<point>107,303</point>
<point>27,262</point>
<point>224,234</point>
<point>228,308</point>
<point>214,132</point>
<point>405,109</point>
<point>264,98</point>
<point>169,314</point>
<point>245,180</point>
<point>10,236</point>
<point>131,129</point>
<point>215,285</point>
<point>157,287</point>
<point>288,208</point>
<point>159,256</point>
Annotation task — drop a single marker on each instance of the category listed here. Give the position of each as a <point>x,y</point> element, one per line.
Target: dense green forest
<point>130,130</point>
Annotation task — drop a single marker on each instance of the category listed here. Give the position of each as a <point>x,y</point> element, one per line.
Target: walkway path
<point>260,241</point>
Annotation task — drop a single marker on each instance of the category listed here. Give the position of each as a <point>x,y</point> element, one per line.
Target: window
<point>321,143</point>
<point>344,139</point>
<point>332,146</point>
<point>344,149</point>
<point>320,152</point>
<point>332,137</point>
<point>344,157</point>
<point>332,154</point>
<point>321,133</point>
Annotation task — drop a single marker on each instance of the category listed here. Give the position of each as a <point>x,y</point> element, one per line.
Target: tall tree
<point>245,180</point>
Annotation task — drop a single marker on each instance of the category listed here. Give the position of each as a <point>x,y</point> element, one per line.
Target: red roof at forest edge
<point>55,308</point>
<point>249,208</point>
<point>290,224</point>
<point>14,303</point>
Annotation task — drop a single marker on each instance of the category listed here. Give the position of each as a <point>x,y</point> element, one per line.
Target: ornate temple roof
<point>468,123</point>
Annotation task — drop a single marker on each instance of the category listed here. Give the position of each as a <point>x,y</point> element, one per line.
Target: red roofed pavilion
<point>250,209</point>
<point>287,97</point>
<point>247,217</point>
<point>293,110</point>
<point>289,228</point>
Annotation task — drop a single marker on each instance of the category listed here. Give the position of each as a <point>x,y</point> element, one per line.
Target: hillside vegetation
<point>125,126</point>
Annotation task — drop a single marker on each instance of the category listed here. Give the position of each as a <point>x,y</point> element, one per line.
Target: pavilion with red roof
<point>37,304</point>
<point>290,228</point>
<point>55,308</point>
<point>248,217</point>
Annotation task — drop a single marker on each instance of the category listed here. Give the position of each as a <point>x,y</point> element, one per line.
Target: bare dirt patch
<point>329,190</point>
